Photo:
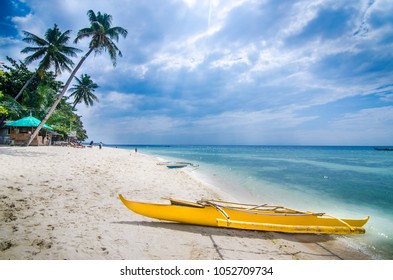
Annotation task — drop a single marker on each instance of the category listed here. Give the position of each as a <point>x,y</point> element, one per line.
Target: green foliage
<point>15,76</point>
<point>37,99</point>
<point>3,110</point>
<point>12,109</point>
<point>39,91</point>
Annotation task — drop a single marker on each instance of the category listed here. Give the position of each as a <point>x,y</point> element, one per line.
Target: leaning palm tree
<point>83,91</point>
<point>52,49</point>
<point>102,36</point>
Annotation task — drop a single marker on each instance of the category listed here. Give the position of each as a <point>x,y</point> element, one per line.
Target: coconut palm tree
<point>83,91</point>
<point>52,49</point>
<point>102,36</point>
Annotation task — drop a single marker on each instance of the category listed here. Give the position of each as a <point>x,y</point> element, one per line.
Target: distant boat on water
<point>383,149</point>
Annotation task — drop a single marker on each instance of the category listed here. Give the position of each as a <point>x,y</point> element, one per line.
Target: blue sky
<point>230,72</point>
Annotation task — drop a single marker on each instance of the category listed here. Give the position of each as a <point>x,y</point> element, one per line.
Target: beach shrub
<point>3,110</point>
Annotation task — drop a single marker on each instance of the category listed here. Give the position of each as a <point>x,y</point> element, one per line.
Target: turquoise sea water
<point>342,181</point>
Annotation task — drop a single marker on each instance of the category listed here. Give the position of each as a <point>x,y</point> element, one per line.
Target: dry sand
<point>62,203</point>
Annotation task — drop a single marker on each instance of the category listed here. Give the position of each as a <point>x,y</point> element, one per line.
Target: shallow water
<point>342,181</point>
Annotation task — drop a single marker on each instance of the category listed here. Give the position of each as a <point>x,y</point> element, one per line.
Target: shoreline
<point>249,187</point>
<point>61,203</point>
<point>214,181</point>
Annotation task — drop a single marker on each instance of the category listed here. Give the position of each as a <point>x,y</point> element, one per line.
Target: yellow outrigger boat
<point>246,216</point>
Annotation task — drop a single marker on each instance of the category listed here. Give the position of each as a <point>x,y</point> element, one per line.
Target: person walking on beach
<point>100,145</point>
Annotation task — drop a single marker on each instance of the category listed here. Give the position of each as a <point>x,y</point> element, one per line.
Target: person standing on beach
<point>100,145</point>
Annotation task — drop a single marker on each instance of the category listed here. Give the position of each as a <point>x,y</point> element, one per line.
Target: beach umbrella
<point>27,122</point>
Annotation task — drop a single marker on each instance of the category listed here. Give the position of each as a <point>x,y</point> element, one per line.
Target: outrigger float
<point>263,217</point>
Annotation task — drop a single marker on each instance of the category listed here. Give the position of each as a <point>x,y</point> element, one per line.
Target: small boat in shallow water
<point>177,164</point>
<point>246,216</point>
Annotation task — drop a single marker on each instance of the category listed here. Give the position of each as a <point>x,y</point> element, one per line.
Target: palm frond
<point>114,32</point>
<point>92,16</point>
<point>32,49</point>
<point>35,56</point>
<point>98,27</point>
<point>113,52</point>
<point>52,34</point>
<point>64,63</point>
<point>102,35</point>
<point>45,63</point>
<point>84,33</point>
<point>53,50</point>
<point>105,20</point>
<point>33,39</point>
<point>69,51</point>
<point>64,37</point>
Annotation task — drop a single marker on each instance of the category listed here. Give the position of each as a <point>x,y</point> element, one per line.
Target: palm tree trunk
<point>25,85</point>
<point>2,119</point>
<point>52,109</point>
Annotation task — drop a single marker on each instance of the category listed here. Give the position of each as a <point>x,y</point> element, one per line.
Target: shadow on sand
<point>213,231</point>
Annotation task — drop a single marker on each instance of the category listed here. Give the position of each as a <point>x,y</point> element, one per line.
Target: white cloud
<point>190,3</point>
<point>22,20</point>
<point>111,101</point>
<point>371,119</point>
<point>171,61</point>
<point>12,47</point>
<point>117,100</point>
<point>303,12</point>
<point>230,59</point>
<point>366,127</point>
<point>270,119</point>
<point>231,67</point>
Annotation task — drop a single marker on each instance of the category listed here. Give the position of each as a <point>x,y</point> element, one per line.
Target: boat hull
<point>208,215</point>
<point>174,166</point>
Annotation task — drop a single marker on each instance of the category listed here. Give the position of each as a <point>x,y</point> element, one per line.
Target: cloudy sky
<point>230,71</point>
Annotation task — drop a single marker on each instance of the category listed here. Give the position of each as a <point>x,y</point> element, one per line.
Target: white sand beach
<point>62,203</point>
